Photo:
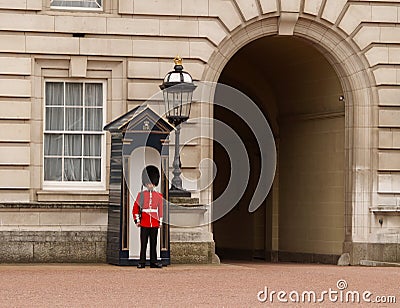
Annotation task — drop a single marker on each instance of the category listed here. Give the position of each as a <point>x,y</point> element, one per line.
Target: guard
<point>147,214</point>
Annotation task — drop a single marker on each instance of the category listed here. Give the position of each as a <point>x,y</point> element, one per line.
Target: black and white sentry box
<point>138,138</point>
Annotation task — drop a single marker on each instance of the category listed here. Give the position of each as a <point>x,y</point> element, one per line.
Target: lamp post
<point>178,91</point>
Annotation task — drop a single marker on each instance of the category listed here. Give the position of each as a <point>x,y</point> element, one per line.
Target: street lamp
<point>178,88</point>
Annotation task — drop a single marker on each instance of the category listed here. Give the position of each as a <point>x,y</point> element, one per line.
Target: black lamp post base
<point>176,192</point>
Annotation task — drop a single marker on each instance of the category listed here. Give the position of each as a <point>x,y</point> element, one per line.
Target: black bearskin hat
<point>150,175</point>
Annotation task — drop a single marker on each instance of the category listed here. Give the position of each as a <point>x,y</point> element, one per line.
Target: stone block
<point>385,183</point>
<point>52,45</point>
<point>15,110</point>
<point>12,43</point>
<point>15,66</point>
<point>27,22</point>
<point>75,24</point>
<point>15,132</point>
<point>389,253</point>
<point>355,14</point>
<point>111,47</point>
<point>144,69</point>
<point>34,5</point>
<point>312,6</point>
<point>226,11</point>
<point>160,48</point>
<point>157,7</point>
<point>134,26</point>
<point>389,97</point>
<point>268,6</point>
<point>383,13</point>
<point>377,55</point>
<point>375,252</point>
<point>142,90</point>
<point>390,35</point>
<point>389,161</point>
<point>386,76</point>
<point>201,50</point>
<point>359,253</point>
<point>192,253</point>
<point>195,8</point>
<point>332,10</point>
<point>78,66</point>
<point>290,6</point>
<point>15,88</point>
<point>186,28</point>
<point>367,35</point>
<point>16,252</point>
<point>125,6</point>
<point>248,8</point>
<point>14,179</point>
<point>389,118</point>
<point>13,4</point>
<point>19,218</point>
<point>14,195</point>
<point>60,218</point>
<point>12,155</point>
<point>394,55</point>
<point>55,252</point>
<point>97,218</point>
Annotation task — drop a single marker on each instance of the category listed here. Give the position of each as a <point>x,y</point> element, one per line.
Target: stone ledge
<point>51,205</point>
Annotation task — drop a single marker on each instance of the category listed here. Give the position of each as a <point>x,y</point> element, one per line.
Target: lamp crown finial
<point>178,60</point>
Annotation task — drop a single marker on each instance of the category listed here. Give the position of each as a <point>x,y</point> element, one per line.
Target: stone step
<point>379,263</point>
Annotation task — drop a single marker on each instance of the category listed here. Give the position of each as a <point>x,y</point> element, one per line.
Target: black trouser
<point>145,233</point>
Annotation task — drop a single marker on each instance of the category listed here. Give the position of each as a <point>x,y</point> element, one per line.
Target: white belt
<point>150,210</point>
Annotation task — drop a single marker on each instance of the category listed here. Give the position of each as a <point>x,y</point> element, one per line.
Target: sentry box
<point>138,138</point>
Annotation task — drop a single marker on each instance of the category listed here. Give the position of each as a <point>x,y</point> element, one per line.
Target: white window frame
<point>78,8</point>
<point>77,185</point>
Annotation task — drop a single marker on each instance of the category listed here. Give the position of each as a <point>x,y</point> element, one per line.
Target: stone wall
<point>52,233</point>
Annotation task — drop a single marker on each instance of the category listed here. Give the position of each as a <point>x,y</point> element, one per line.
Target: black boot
<point>156,265</point>
<point>140,265</point>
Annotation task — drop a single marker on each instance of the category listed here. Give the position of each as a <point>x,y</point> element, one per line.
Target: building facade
<point>325,73</point>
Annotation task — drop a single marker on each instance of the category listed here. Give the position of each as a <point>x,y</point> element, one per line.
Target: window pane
<point>73,145</point>
<point>73,118</point>
<point>94,94</point>
<point>72,169</point>
<point>54,118</point>
<point>53,144</point>
<point>54,94</point>
<point>91,169</point>
<point>73,94</point>
<point>94,119</point>
<point>92,145</point>
<point>76,3</point>
<point>52,169</point>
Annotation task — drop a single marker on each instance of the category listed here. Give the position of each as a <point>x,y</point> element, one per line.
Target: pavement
<point>230,284</point>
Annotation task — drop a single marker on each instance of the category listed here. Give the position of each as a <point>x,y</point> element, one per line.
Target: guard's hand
<point>138,224</point>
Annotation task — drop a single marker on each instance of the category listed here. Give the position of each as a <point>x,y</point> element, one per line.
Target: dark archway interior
<point>298,91</point>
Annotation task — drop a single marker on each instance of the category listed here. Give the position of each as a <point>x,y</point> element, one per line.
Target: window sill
<point>72,196</point>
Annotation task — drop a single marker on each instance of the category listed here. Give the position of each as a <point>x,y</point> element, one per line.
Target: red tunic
<point>152,211</point>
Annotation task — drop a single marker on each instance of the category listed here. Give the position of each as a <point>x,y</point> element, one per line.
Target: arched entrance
<point>298,91</point>
<point>308,215</point>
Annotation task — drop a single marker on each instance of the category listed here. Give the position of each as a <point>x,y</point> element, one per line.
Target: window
<point>77,4</point>
<point>73,133</point>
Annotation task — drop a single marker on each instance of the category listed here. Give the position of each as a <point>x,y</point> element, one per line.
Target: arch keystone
<point>287,22</point>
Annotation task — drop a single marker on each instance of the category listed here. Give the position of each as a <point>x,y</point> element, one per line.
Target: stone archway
<point>356,82</point>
